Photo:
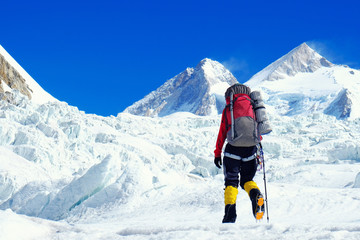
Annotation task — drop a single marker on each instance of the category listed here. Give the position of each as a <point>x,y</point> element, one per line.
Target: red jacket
<point>226,122</point>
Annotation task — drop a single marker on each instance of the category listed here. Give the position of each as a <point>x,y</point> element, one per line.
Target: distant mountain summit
<point>303,81</point>
<point>198,90</point>
<point>300,59</point>
<point>14,77</point>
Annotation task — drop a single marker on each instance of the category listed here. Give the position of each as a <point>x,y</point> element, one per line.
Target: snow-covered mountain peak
<point>198,90</point>
<point>303,82</point>
<point>300,59</point>
<point>205,61</point>
<point>14,77</point>
<point>214,72</point>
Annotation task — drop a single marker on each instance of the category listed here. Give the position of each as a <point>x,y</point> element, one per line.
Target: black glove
<point>218,162</point>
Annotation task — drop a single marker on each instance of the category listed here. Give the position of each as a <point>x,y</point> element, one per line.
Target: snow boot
<point>230,195</point>
<point>257,201</point>
<point>230,213</point>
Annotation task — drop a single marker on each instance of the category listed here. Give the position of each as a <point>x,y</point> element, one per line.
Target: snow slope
<point>65,174</point>
<point>38,94</point>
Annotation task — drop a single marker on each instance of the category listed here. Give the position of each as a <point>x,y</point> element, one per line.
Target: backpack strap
<point>232,115</point>
<point>226,120</point>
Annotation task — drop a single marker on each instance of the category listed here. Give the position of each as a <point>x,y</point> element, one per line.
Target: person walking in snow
<point>238,126</point>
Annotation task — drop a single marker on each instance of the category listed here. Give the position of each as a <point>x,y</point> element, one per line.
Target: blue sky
<point>102,56</point>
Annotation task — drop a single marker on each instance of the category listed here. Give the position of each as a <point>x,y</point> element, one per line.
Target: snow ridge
<point>13,76</point>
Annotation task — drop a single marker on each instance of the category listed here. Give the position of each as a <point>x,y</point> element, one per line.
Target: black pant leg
<point>231,171</point>
<point>247,171</point>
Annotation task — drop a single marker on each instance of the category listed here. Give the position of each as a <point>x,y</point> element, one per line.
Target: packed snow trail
<point>196,210</point>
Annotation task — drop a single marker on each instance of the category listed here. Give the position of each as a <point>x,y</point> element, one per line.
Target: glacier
<point>138,177</point>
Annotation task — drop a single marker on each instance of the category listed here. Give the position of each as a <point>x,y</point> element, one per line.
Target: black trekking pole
<point>266,199</point>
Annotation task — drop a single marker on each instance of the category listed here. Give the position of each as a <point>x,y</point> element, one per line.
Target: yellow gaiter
<point>230,195</point>
<point>248,186</point>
